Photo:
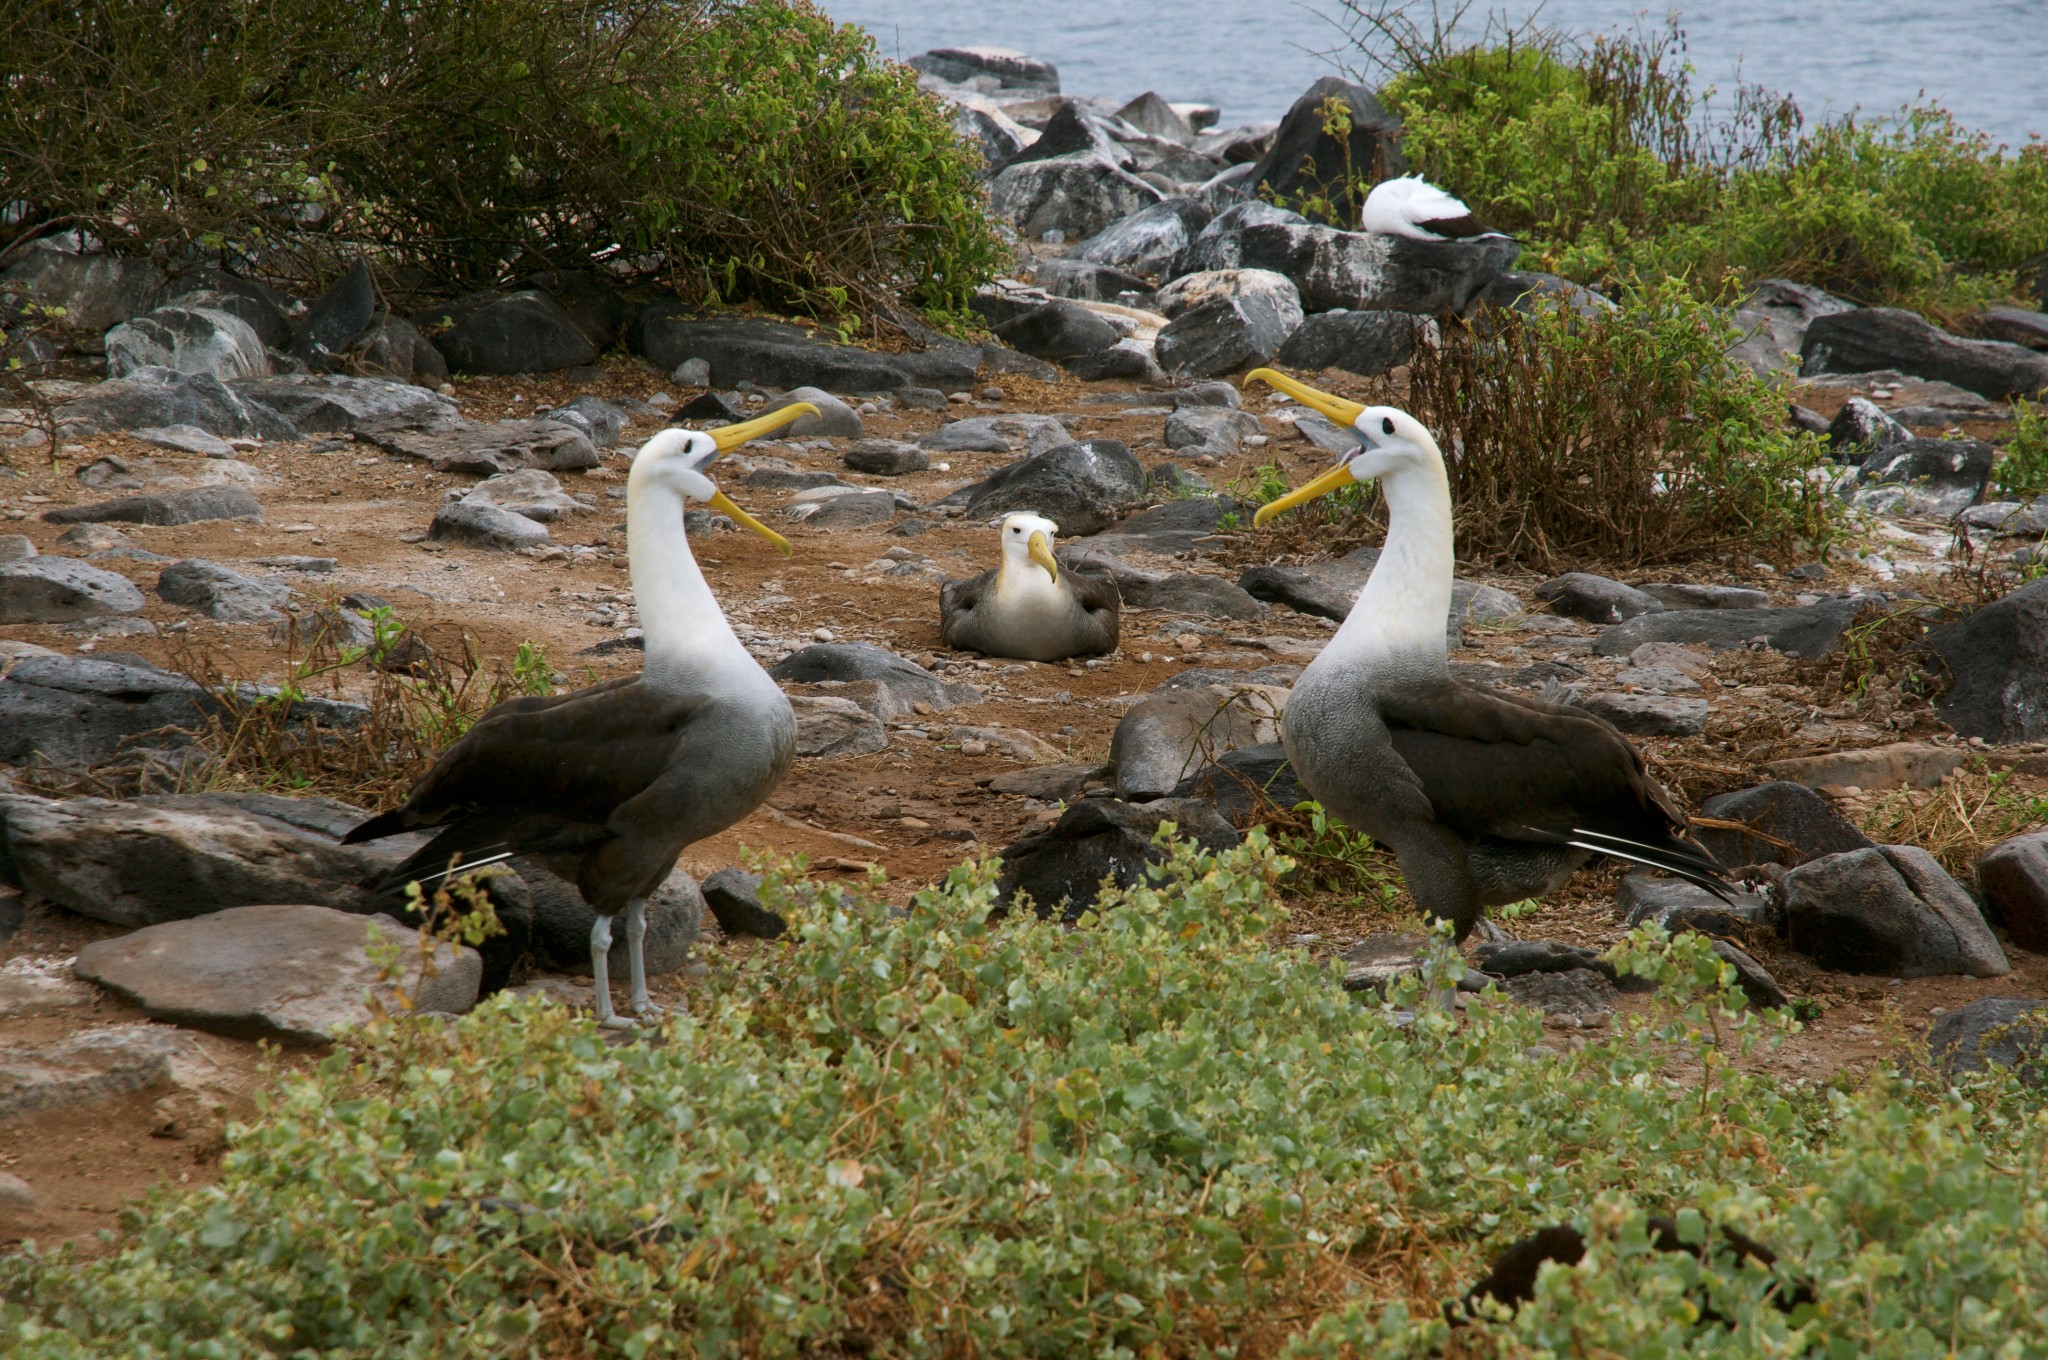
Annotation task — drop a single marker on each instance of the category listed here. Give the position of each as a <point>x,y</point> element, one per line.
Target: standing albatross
<point>609,784</point>
<point>1027,607</point>
<point>1484,797</point>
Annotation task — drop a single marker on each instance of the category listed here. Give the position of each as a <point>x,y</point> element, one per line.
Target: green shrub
<point>2022,467</point>
<point>741,151</point>
<point>932,1135</point>
<point>1628,436</point>
<point>1610,166</point>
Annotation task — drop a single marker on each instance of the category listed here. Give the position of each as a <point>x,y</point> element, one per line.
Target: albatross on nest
<point>1484,797</point>
<point>1028,608</point>
<point>1412,207</point>
<point>609,784</point>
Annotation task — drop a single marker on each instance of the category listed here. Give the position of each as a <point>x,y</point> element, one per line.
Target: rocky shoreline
<point>225,465</point>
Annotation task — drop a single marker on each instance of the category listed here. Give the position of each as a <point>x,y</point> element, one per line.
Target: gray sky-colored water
<point>1987,60</point>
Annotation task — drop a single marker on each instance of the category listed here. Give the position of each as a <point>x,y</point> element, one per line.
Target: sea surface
<point>1985,60</point>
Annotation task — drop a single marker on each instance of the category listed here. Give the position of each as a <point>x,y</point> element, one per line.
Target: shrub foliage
<point>1627,436</point>
<point>931,1134</point>
<point>745,151</point>
<point>1607,161</point>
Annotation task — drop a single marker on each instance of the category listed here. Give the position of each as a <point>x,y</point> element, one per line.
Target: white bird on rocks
<point>1485,797</point>
<point>609,784</point>
<point>1413,207</point>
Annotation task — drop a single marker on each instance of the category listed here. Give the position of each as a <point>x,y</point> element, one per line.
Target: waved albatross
<point>609,784</point>
<point>1484,797</point>
<point>1027,607</point>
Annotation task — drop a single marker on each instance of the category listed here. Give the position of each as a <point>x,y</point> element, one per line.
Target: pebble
<point>993,394</point>
<point>973,748</point>
<point>822,634</point>
<point>15,1192</point>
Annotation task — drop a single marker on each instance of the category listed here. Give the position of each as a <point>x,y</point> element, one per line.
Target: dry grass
<point>426,688</point>
<point>1974,809</point>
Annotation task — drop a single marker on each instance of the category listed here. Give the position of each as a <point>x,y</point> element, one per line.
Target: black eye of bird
<point>1387,424</point>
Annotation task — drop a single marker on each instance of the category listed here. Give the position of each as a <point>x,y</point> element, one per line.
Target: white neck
<point>1021,578</point>
<point>1406,604</point>
<point>690,646</point>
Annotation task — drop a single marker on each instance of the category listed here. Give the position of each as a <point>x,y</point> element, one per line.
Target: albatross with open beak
<point>609,784</point>
<point>1484,797</point>
<point>1028,608</point>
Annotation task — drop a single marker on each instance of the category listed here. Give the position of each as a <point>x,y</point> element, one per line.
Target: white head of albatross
<point>1027,550</point>
<point>689,643</point>
<point>1407,601</point>
<point>1485,797</point>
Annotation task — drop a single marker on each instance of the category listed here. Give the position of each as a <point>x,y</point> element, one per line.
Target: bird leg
<point>636,958</point>
<point>601,974</point>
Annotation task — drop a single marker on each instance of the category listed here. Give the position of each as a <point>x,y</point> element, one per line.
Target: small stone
<point>886,458</point>
<point>835,419</point>
<point>185,439</point>
<point>689,373</point>
<point>50,589</point>
<point>1595,599</point>
<point>486,526</point>
<point>296,973</point>
<point>15,1192</point>
<point>1648,715</point>
<point>734,897</point>
<point>1993,1031</point>
<point>220,593</point>
<point>972,747</point>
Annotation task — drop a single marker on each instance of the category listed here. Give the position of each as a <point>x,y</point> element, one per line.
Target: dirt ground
<point>916,808</point>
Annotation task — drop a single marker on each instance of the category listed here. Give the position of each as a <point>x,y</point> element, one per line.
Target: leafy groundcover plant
<point>930,1134</point>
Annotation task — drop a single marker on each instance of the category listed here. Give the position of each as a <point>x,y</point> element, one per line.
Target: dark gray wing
<point>957,602</point>
<point>1493,764</point>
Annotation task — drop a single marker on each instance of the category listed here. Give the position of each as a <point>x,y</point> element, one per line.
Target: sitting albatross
<point>609,784</point>
<point>1484,797</point>
<point>1411,206</point>
<point>1027,607</point>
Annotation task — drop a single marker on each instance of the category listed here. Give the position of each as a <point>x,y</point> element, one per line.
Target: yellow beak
<point>732,436</point>
<point>1336,478</point>
<point>1344,413</point>
<point>1039,550</point>
<point>722,503</point>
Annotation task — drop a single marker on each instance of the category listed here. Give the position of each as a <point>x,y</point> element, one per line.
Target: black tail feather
<point>476,839</point>
<point>1673,856</point>
<point>378,827</point>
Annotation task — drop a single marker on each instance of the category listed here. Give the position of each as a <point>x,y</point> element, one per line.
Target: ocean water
<point>1985,60</point>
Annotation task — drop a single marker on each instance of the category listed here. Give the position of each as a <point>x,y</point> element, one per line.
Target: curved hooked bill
<point>730,437</point>
<point>1039,549</point>
<point>1342,411</point>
